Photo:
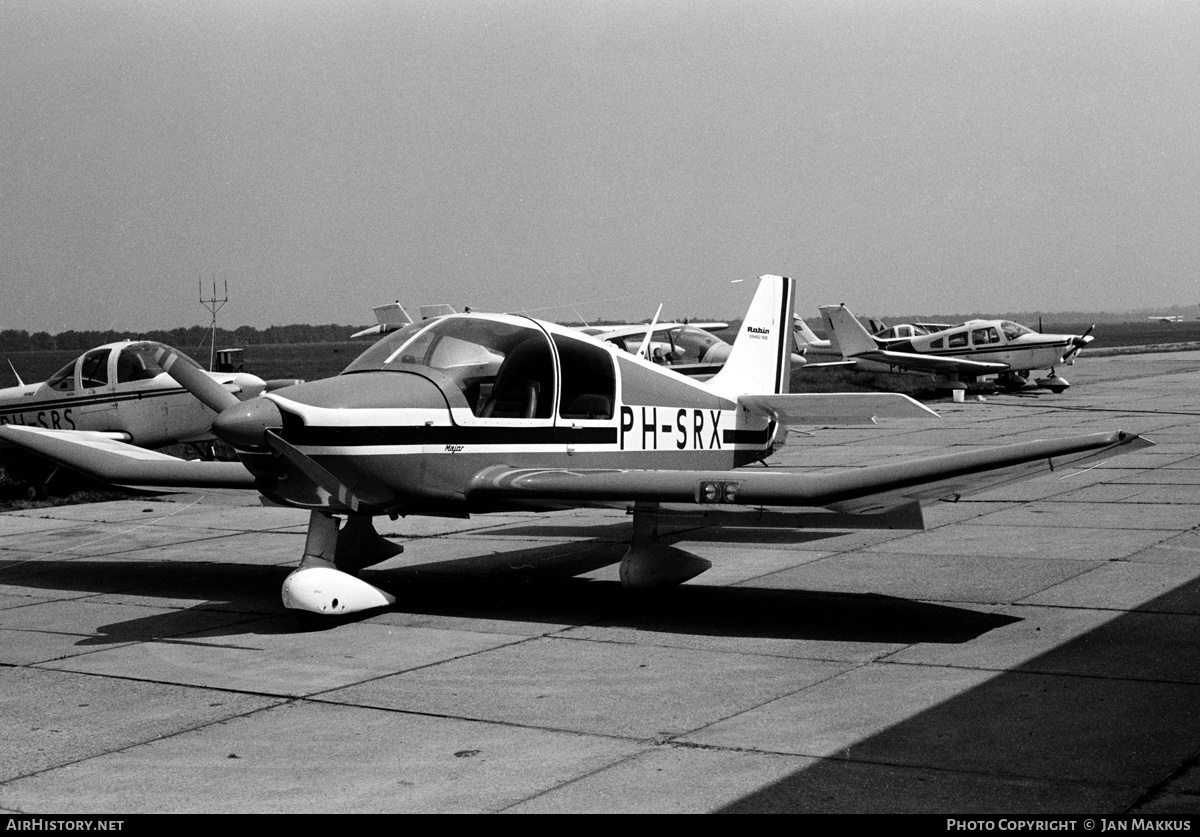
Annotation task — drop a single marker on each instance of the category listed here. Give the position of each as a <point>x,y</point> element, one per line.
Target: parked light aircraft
<point>1167,318</point>
<point>476,413</point>
<point>686,348</point>
<point>118,392</point>
<point>972,350</point>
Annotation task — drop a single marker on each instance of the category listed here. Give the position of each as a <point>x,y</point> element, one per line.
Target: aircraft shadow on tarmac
<point>537,584</point>
<point>1102,724</point>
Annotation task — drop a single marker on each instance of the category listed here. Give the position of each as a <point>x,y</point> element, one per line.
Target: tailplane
<point>846,333</point>
<point>761,359</point>
<point>805,338</point>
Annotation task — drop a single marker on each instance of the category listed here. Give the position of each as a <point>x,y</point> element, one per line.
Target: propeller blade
<point>189,375</point>
<point>1080,341</point>
<point>644,349</point>
<point>324,480</point>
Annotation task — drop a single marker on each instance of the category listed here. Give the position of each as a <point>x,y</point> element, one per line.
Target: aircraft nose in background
<point>245,425</point>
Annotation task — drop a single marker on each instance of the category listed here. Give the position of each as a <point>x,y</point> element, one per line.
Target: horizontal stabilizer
<point>118,463</point>
<point>836,408</point>
<point>389,317</point>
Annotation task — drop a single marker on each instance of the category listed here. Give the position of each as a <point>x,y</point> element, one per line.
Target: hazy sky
<point>327,156</point>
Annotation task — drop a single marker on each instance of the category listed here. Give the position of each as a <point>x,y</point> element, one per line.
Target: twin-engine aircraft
<point>972,350</point>
<point>113,392</point>
<point>475,413</point>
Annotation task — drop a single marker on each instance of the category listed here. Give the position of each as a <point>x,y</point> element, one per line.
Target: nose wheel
<point>1054,383</point>
<point>324,587</point>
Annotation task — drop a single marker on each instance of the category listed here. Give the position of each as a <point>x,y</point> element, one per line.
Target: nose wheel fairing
<point>1054,383</point>
<point>324,583</point>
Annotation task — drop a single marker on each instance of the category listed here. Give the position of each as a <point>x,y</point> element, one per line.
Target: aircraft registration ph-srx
<point>117,391</point>
<point>475,413</point>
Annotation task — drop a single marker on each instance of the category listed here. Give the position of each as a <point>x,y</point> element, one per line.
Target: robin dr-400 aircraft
<point>474,413</point>
<point>974,349</point>
<point>117,391</point>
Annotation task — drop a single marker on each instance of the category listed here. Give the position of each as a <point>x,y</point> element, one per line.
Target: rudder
<point>760,361</point>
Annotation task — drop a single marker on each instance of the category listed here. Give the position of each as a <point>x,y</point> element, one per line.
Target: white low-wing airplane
<point>117,392</point>
<point>974,349</point>
<point>475,413</point>
<point>689,349</point>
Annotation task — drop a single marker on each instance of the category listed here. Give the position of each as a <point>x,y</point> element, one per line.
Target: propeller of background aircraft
<point>1079,342</point>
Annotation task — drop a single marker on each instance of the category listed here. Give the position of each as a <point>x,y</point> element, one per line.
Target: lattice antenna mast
<point>213,304</point>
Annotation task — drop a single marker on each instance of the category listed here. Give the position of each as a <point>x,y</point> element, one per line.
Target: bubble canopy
<point>505,367</point>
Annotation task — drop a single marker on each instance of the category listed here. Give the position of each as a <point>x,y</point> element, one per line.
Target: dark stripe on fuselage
<point>747,437</point>
<point>996,350</point>
<point>499,435</point>
<point>960,351</point>
<point>32,405</point>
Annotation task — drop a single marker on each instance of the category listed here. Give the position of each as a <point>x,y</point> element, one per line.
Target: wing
<point>117,463</point>
<point>932,363</point>
<point>834,408</point>
<point>849,490</point>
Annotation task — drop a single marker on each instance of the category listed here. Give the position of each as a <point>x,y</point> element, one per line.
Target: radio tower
<point>214,305</point>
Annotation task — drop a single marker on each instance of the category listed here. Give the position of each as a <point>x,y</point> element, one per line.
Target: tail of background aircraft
<point>846,333</point>
<point>761,359</point>
<point>805,337</point>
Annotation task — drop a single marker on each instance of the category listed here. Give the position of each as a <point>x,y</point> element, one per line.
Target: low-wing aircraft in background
<point>1167,318</point>
<point>115,392</point>
<point>689,349</point>
<point>967,352</point>
<point>475,413</point>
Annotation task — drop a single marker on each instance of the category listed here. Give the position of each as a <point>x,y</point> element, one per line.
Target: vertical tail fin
<point>846,333</point>
<point>761,359</point>
<point>805,337</point>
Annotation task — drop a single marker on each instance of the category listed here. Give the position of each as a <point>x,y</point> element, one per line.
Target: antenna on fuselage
<point>214,305</point>
<point>15,373</point>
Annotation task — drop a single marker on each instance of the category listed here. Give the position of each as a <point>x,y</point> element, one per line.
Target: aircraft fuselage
<point>111,389</point>
<point>407,434</point>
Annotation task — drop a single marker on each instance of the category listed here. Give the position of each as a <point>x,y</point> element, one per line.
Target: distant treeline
<point>19,340</point>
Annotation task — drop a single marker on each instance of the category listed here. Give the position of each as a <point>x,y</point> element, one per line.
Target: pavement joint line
<point>1157,789</point>
<point>147,741</point>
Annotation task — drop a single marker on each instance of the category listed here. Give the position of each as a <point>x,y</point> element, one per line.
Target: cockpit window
<point>64,379</point>
<point>588,380</point>
<point>94,371</point>
<point>504,369</point>
<point>985,336</point>
<point>137,363</point>
<point>1014,330</point>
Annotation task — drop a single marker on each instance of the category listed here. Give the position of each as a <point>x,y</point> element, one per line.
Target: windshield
<point>1014,330</point>
<point>504,369</point>
<point>64,379</point>
<point>137,363</point>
